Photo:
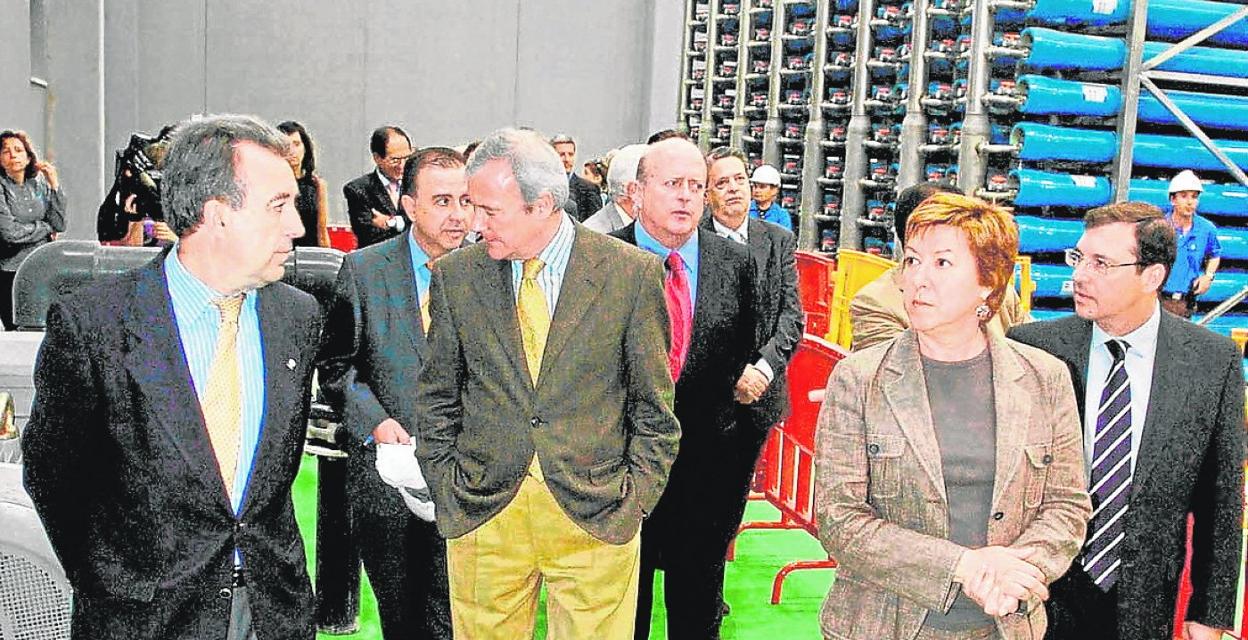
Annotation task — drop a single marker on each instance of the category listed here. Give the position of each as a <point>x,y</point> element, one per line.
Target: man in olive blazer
<point>880,496</point>
<point>593,429</point>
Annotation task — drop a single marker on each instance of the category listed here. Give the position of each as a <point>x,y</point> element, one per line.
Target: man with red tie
<point>710,300</point>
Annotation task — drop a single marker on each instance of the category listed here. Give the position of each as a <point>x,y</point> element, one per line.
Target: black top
<point>305,204</point>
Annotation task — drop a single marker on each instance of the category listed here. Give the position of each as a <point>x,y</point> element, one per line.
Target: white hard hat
<point>1185,181</point>
<point>766,174</point>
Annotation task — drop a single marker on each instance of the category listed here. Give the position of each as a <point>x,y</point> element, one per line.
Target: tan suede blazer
<point>877,312</point>
<point>880,496</point>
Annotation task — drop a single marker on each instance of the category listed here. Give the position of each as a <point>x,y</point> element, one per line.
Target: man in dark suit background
<point>543,412</point>
<point>373,350</point>
<point>588,198</point>
<point>373,198</point>
<point>1162,402</point>
<point>171,406</point>
<point>710,283</point>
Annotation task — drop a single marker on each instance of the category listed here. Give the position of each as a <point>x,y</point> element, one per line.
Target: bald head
<point>670,191</point>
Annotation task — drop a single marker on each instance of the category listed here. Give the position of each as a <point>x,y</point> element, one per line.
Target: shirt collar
<point>742,231</point>
<point>419,257</point>
<point>188,293</point>
<point>624,215</point>
<point>1143,339</point>
<point>688,251</point>
<point>385,182</point>
<point>555,254</point>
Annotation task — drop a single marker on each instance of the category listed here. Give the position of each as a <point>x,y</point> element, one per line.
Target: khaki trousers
<point>497,570</point>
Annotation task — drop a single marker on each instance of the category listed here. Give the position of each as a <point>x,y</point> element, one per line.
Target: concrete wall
<point>447,71</point>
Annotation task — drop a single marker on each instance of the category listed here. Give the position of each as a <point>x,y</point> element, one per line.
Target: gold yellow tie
<point>424,303</point>
<point>534,316</point>
<point>222,401</point>
<point>534,326</point>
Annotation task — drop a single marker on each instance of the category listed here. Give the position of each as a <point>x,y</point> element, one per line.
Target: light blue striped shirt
<point>198,324</point>
<point>555,257</point>
<point>688,252</point>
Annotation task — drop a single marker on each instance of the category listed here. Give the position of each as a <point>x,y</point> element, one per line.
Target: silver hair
<point>200,165</point>
<point>623,169</point>
<point>533,161</point>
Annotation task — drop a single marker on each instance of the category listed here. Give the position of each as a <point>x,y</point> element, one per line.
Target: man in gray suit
<point>544,411</point>
<point>618,212</point>
<point>1162,403</point>
<point>373,349</point>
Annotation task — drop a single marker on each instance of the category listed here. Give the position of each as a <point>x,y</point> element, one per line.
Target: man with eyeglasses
<point>373,198</point>
<point>1162,403</point>
<point>709,287</point>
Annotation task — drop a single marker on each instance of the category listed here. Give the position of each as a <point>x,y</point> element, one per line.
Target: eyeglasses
<point>1075,258</point>
<point>395,161</point>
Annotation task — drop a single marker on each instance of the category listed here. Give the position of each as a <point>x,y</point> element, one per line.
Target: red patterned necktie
<point>679,312</point>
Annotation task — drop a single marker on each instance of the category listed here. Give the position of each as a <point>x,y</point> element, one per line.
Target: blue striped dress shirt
<point>198,324</point>
<point>555,257</point>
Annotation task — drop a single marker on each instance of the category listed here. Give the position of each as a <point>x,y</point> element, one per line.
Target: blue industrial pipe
<point>1043,95</point>
<point>1050,235</point>
<point>1037,188</point>
<point>1170,20</point>
<point>1053,281</point>
<point>1038,142</point>
<point>1058,50</point>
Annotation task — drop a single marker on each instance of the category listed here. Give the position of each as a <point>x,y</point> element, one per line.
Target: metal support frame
<point>684,87</point>
<point>1131,74</point>
<point>744,30</point>
<point>976,128</point>
<point>712,37</point>
<point>812,155</point>
<point>854,200</point>
<point>771,148</point>
<point>914,125</point>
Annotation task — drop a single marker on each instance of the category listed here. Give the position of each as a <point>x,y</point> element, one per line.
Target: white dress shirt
<point>1139,362</point>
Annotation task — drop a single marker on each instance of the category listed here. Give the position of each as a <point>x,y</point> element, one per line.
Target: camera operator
<point>32,210</point>
<point>130,214</point>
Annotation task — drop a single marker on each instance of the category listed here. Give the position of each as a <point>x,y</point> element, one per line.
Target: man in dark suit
<point>373,198</point>
<point>543,412</point>
<point>1162,402</point>
<point>170,410</point>
<point>373,349</point>
<point>710,288</point>
<point>588,198</point>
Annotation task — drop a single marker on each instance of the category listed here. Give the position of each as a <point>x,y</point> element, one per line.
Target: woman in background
<point>32,210</point>
<point>313,201</point>
<point>949,460</point>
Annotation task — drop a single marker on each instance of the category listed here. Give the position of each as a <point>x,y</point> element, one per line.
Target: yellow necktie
<point>424,303</point>
<point>222,402</point>
<point>534,316</point>
<point>534,326</point>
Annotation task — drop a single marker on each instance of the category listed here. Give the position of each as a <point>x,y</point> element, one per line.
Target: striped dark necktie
<point>1111,473</point>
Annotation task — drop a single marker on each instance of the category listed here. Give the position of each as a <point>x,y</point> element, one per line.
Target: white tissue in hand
<point>397,466</point>
<point>422,508</point>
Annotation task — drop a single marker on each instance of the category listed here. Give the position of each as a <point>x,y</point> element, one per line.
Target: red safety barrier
<point>342,238</point>
<point>814,287</point>
<point>788,457</point>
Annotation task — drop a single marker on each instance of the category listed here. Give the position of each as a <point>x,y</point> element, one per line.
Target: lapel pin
<point>290,364</point>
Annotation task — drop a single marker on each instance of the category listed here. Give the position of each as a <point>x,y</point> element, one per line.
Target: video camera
<point>137,173</point>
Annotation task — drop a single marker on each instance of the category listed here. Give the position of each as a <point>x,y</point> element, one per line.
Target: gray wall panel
<point>448,72</point>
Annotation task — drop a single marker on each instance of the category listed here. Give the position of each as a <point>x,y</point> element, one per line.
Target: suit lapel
<point>157,362</point>
<point>383,195</point>
<point>1171,370</point>
<point>280,392</point>
<point>905,390</point>
<point>1013,412</point>
<point>495,292</point>
<point>582,282</point>
<point>404,302</point>
<point>711,281</point>
<point>760,246</point>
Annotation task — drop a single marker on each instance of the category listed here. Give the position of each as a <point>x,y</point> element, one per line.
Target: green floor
<point>748,585</point>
